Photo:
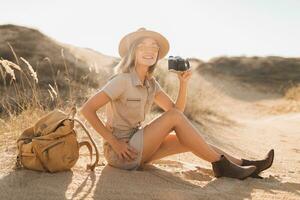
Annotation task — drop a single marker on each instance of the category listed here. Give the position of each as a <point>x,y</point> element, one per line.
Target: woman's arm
<point>89,109</point>
<point>183,81</point>
<point>181,98</point>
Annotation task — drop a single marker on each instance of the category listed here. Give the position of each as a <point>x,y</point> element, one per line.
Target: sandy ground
<point>181,176</point>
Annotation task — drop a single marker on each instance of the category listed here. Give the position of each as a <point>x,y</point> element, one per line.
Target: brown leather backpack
<point>51,144</point>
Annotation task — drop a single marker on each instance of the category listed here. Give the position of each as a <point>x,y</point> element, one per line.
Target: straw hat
<point>127,40</point>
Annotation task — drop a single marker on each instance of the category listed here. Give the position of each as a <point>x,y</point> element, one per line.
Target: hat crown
<point>142,29</point>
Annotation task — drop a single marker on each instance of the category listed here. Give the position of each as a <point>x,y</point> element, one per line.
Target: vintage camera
<point>177,64</point>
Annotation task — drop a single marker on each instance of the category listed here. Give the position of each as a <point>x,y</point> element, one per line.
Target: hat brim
<point>127,40</point>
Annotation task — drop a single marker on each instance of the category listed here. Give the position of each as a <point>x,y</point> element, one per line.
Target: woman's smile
<point>148,57</point>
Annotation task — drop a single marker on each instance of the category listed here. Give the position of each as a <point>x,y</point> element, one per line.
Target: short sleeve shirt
<point>130,99</point>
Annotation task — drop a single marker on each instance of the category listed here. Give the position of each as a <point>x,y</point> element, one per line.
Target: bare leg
<point>156,132</point>
<point>171,146</point>
<point>231,158</point>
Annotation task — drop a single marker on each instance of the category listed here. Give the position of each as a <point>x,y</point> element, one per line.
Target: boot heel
<point>261,165</point>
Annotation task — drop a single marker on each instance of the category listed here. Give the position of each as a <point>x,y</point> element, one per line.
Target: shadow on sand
<point>149,183</point>
<point>156,183</point>
<point>27,184</point>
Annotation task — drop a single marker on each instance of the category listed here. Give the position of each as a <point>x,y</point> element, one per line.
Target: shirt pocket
<point>134,102</point>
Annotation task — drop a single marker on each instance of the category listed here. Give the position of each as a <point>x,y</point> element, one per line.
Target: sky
<point>194,28</point>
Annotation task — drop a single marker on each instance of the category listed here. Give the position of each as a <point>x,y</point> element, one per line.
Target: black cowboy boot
<point>261,165</point>
<point>225,167</point>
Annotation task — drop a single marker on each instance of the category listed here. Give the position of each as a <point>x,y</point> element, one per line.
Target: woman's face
<point>147,52</point>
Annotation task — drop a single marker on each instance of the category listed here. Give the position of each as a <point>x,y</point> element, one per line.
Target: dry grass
<point>287,107</point>
<point>23,89</point>
<point>293,93</point>
<point>12,127</point>
<point>291,102</point>
<point>22,94</point>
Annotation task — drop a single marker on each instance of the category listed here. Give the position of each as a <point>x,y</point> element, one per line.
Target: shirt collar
<point>136,80</point>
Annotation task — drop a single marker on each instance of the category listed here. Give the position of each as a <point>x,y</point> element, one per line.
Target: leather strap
<point>89,146</point>
<point>91,166</point>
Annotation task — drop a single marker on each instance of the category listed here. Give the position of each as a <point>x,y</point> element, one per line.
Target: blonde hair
<point>128,61</point>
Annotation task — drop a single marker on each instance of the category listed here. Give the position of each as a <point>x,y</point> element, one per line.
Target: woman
<point>130,94</point>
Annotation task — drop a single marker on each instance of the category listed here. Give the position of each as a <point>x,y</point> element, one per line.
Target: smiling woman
<point>130,93</point>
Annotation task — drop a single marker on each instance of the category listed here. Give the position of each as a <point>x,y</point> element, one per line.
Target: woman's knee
<point>175,114</point>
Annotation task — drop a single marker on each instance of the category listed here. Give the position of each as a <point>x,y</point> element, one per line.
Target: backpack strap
<point>72,116</point>
<point>18,163</point>
<point>72,112</point>
<point>91,166</point>
<point>89,146</point>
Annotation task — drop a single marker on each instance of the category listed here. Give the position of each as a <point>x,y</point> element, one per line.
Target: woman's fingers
<point>121,156</point>
<point>131,154</point>
<point>185,74</point>
<point>132,149</point>
<point>126,156</point>
<point>128,152</point>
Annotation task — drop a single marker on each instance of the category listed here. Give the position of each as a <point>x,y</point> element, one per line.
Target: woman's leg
<point>171,146</point>
<point>156,132</point>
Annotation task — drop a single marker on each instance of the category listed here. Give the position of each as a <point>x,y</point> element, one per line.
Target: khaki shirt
<point>130,100</point>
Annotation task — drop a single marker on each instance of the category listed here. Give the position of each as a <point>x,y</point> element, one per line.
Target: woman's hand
<point>185,75</point>
<point>124,150</point>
